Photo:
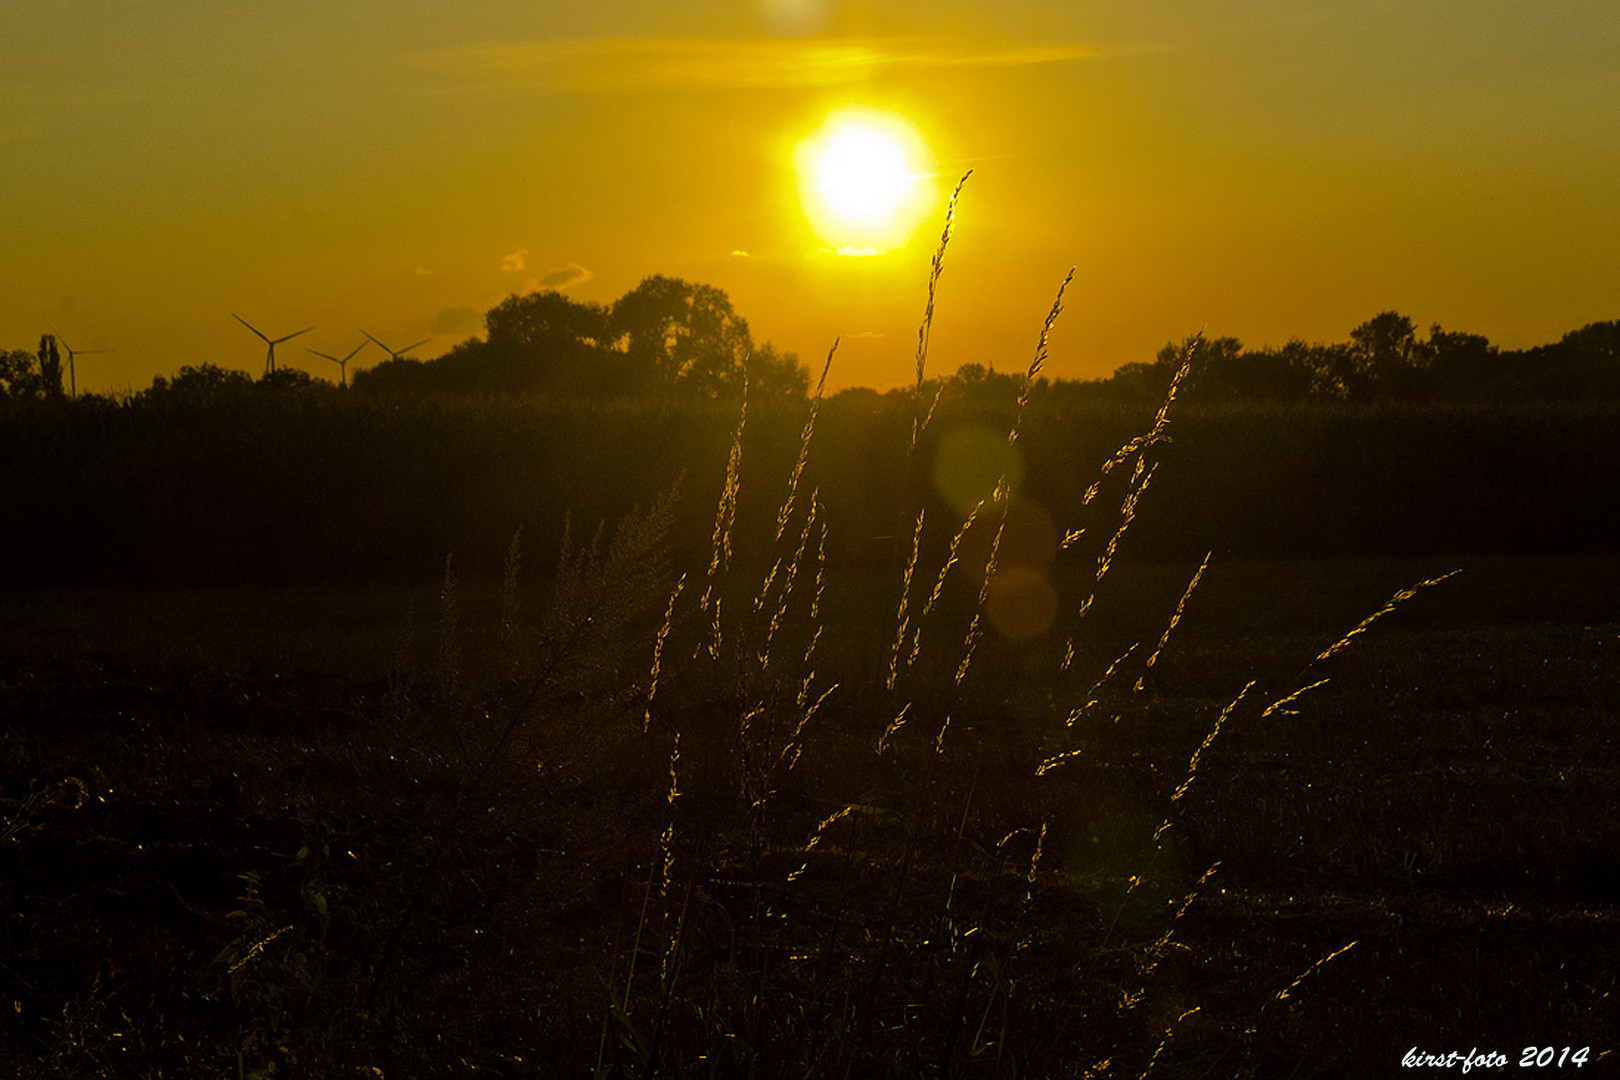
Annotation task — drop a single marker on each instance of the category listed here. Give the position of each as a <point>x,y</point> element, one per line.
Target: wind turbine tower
<point>343,364</point>
<point>270,359</point>
<point>73,382</point>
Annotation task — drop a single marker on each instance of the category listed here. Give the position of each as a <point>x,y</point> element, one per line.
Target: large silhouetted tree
<point>1597,343</point>
<point>773,374</point>
<point>1386,361</point>
<point>683,336</point>
<point>1464,367</point>
<point>543,342</point>
<point>19,375</point>
<point>50,368</point>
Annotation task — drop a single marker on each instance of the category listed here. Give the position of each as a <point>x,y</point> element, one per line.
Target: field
<point>301,832</point>
<point>856,741</point>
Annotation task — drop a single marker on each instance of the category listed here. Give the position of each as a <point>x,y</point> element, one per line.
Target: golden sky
<point>1264,169</point>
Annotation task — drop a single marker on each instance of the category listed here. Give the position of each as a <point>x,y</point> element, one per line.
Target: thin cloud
<point>565,276</point>
<point>457,320</point>
<point>518,260</point>
<point>718,63</point>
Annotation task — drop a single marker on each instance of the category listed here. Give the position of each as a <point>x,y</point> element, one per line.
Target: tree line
<point>669,338</point>
<point>1385,361</point>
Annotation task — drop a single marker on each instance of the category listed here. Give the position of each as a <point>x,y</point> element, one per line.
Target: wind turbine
<point>400,355</point>
<point>73,382</point>
<point>343,364</point>
<point>270,360</point>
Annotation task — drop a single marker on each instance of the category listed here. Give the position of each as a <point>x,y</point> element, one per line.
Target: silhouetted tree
<point>206,384</point>
<point>19,375</point>
<point>683,336</point>
<point>978,387</point>
<point>773,374</point>
<point>50,368</point>
<point>1593,351</point>
<point>1386,360</point>
<point>543,342</point>
<point>1598,343</point>
<point>1138,382</point>
<point>1464,367</point>
<point>1222,371</point>
<point>403,375</point>
<point>546,317</point>
<point>1582,365</point>
<point>286,380</point>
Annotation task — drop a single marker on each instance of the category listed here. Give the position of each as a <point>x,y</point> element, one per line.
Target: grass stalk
<point>920,419</point>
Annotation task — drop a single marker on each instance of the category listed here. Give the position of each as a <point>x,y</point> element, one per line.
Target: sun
<point>865,181</point>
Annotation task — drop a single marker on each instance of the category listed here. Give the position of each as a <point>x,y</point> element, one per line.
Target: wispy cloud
<point>564,276</point>
<point>719,63</point>
<point>518,260</point>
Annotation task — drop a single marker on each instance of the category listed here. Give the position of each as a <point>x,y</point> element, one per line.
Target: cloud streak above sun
<point>620,64</point>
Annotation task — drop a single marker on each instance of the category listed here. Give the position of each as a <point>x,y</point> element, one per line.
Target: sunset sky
<point>1264,169</point>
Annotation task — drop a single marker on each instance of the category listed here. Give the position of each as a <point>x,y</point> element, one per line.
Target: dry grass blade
<point>1394,602</point>
<point>815,837</point>
<point>1175,618</point>
<point>920,420</point>
<point>1141,476</point>
<point>901,616</point>
<point>786,511</point>
<point>786,593</point>
<point>1036,364</point>
<point>951,559</point>
<point>1278,705</point>
<point>1282,995</point>
<point>725,517</point>
<point>658,651</point>
<point>894,725</point>
<point>1168,1033</point>
<point>1091,695</point>
<point>726,513</point>
<point>1155,434</point>
<point>1192,766</point>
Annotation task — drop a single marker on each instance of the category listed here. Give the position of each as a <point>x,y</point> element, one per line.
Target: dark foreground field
<point>284,833</point>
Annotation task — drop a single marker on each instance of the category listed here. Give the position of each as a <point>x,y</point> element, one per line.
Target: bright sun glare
<point>865,181</point>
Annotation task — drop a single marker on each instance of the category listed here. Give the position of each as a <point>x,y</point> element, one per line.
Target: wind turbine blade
<point>249,325</point>
<point>408,348</point>
<point>379,344</point>
<point>334,359</point>
<point>356,349</point>
<point>289,337</point>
